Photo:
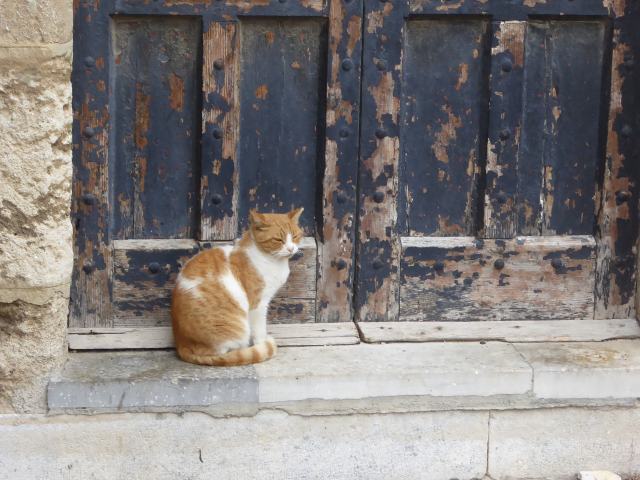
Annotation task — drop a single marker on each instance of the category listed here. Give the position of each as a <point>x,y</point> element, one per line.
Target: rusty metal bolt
<point>381,65</point>
<point>218,64</point>
<point>498,264</point>
<point>347,64</point>
<point>438,266</point>
<point>89,199</point>
<point>557,263</point>
<point>378,197</point>
<point>217,133</point>
<point>341,198</point>
<point>506,65</point>
<point>88,268</point>
<point>623,196</point>
<point>216,199</point>
<point>90,61</point>
<point>341,264</point>
<point>154,267</point>
<point>504,134</point>
<point>380,133</point>
<point>377,264</point>
<point>88,132</point>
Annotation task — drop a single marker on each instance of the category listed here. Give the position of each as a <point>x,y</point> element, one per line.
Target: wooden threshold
<point>506,331</point>
<point>286,335</point>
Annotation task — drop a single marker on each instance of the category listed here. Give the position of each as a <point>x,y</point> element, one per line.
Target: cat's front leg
<point>258,323</point>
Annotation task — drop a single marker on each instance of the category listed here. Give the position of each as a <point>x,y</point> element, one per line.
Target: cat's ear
<point>256,219</point>
<point>294,214</point>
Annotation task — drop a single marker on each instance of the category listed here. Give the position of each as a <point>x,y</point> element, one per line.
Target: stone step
<point>373,378</point>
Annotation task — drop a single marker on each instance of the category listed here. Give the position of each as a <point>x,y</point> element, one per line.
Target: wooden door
<point>188,114</point>
<point>498,174</point>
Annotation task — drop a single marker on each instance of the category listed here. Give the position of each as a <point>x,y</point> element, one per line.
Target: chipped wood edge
<point>286,335</point>
<point>527,331</point>
<point>564,241</point>
<point>334,287</point>
<point>221,43</point>
<point>500,208</point>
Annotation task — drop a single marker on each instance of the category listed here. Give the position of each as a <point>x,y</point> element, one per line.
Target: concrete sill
<point>364,378</point>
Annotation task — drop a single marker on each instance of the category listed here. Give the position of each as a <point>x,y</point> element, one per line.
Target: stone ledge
<point>364,378</point>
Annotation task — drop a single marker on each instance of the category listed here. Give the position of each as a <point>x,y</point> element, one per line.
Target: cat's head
<point>277,234</point>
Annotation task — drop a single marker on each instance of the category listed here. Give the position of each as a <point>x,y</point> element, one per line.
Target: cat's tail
<point>242,356</point>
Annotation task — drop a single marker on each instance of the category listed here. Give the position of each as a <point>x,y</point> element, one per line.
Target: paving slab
<point>370,371</point>
<point>120,380</point>
<point>272,445</point>
<point>584,370</point>
<point>559,443</point>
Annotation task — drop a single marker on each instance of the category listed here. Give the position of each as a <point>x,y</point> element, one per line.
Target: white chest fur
<point>273,270</point>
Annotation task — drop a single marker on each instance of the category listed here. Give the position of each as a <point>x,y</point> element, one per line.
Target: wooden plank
<point>574,54</point>
<point>504,331</point>
<point>292,310</point>
<point>144,278</point>
<point>562,146</point>
<point>281,133</point>
<point>155,142</point>
<point>334,301</point>
<point>618,219</point>
<point>223,9</point>
<point>461,278</point>
<point>145,272</point>
<point>444,104</point>
<point>505,123</point>
<point>219,183</point>
<point>90,303</point>
<point>502,10</point>
<point>378,248</point>
<point>343,333</point>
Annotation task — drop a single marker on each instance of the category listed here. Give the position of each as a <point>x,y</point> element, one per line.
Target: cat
<point>220,301</point>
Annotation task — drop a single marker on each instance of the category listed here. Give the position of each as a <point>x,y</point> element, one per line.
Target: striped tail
<point>242,356</point>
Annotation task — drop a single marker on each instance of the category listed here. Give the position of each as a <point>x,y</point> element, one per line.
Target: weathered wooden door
<point>494,175</point>
<point>499,160</point>
<point>188,114</point>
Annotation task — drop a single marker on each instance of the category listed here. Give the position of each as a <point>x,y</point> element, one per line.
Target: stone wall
<point>35,193</point>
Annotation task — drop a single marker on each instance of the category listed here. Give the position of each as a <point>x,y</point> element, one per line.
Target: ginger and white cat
<point>220,301</point>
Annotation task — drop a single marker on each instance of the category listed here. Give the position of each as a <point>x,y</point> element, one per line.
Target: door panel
<point>563,105</point>
<point>526,278</point>
<point>453,231</point>
<point>188,115</point>
<point>155,102</point>
<point>145,272</point>
<point>442,127</point>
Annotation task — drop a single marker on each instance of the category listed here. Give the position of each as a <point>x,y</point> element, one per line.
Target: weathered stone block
<point>271,445</point>
<point>35,167</point>
<point>584,369</point>
<point>35,21</point>
<point>32,342</point>
<point>126,380</point>
<point>558,443</point>
<point>35,191</point>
